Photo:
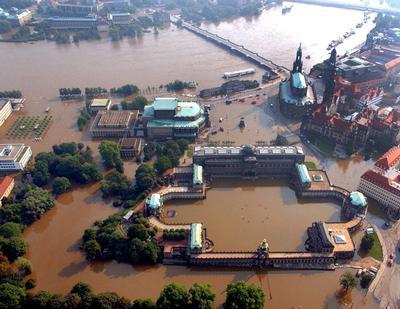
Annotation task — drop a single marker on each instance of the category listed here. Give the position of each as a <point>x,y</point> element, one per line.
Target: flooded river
<point>40,69</point>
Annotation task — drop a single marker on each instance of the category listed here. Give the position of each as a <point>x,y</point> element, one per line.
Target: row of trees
<point>83,119</point>
<point>68,162</point>
<point>125,90</point>
<point>117,33</point>
<point>93,92</point>
<point>15,94</point>
<point>69,92</point>
<point>348,280</point>
<point>174,234</point>
<point>177,85</point>
<point>239,295</point>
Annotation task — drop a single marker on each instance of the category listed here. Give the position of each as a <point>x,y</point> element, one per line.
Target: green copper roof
<point>286,96</point>
<point>165,103</point>
<point>303,173</point>
<point>154,202</point>
<point>358,199</point>
<point>197,175</point>
<point>195,236</point>
<point>187,109</point>
<point>299,81</point>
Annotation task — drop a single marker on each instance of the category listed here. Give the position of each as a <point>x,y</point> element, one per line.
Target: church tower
<point>298,64</point>
<point>329,78</point>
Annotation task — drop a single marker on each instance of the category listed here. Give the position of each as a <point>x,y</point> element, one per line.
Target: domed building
<point>296,95</point>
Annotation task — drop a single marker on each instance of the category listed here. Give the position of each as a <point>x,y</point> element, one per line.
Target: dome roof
<point>358,199</point>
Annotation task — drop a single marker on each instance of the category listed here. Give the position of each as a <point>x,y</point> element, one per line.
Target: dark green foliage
<point>366,280</point>
<point>177,85</point>
<point>69,92</point>
<point>348,281</point>
<point>173,296</point>
<point>83,119</point>
<point>115,184</point>
<point>145,177</point>
<point>30,284</point>
<point>11,229</point>
<point>138,231</point>
<point>89,234</point>
<point>367,243</point>
<point>16,94</point>
<point>61,185</point>
<point>110,153</point>
<point>149,150</point>
<point>162,164</point>
<point>11,296</point>
<point>250,84</point>
<point>5,26</point>
<point>21,4</point>
<point>143,304</point>
<point>125,90</point>
<point>240,295</point>
<point>66,148</point>
<point>40,300</point>
<point>41,175</point>
<point>174,234</point>
<point>109,301</point>
<point>138,103</point>
<point>92,249</point>
<point>93,92</point>
<point>202,297</point>
<point>12,247</point>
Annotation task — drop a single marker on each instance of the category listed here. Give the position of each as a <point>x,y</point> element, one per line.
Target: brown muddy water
<point>40,69</point>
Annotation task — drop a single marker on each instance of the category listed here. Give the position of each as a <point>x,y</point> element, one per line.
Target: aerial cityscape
<point>200,154</point>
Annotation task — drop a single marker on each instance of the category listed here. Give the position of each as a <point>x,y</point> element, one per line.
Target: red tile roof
<point>389,159</point>
<point>381,181</point>
<point>4,184</point>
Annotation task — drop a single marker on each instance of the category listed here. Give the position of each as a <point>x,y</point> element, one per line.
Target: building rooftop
<point>299,81</point>
<point>353,63</point>
<point>11,151</point>
<point>303,173</point>
<point>115,119</point>
<point>100,102</point>
<point>187,109</point>
<point>154,202</point>
<point>358,199</point>
<point>195,236</point>
<point>58,18</point>
<point>289,98</point>
<point>165,103</point>
<point>389,159</point>
<point>261,151</point>
<point>4,184</point>
<point>130,143</point>
<point>197,174</point>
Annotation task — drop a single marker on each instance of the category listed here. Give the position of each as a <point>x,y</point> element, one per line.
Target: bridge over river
<point>232,47</point>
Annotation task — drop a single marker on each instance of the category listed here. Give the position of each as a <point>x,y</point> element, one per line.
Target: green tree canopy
<point>173,296</point>
<point>11,296</point>
<point>367,242</point>
<point>110,153</point>
<point>202,297</point>
<point>60,185</point>
<point>348,281</point>
<point>92,249</point>
<point>143,304</point>
<point>11,229</point>
<point>5,26</point>
<point>240,295</point>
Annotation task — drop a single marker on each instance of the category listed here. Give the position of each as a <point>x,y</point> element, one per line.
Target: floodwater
<point>238,215</point>
<point>40,69</point>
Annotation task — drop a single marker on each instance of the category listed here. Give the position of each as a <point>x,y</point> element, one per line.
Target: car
<point>391,256</point>
<point>254,102</point>
<point>257,95</point>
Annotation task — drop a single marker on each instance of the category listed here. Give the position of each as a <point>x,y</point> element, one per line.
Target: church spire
<point>298,64</point>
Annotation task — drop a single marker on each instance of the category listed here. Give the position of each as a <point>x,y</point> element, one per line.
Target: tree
<point>108,300</point>
<point>183,144</point>
<point>11,229</point>
<point>92,249</point>
<point>145,177</point>
<point>149,150</point>
<point>173,296</point>
<point>41,175</point>
<point>240,295</point>
<point>24,265</point>
<point>366,280</point>
<point>11,296</point>
<point>162,164</point>
<point>110,153</point>
<point>138,231</point>
<point>85,293</point>
<point>367,242</point>
<point>202,297</point>
<point>60,185</point>
<point>347,281</point>
<point>40,300</point>
<point>5,26</point>
<point>14,247</point>
<point>143,304</point>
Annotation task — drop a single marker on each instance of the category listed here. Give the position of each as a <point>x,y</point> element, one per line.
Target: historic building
<point>248,161</point>
<point>382,182</point>
<point>167,118</point>
<point>296,95</point>
<point>114,124</point>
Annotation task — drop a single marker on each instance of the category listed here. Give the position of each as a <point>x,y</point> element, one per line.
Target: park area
<point>29,126</point>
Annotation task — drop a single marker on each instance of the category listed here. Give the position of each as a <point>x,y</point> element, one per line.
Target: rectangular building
<point>20,18</point>
<point>130,147</point>
<point>14,157</point>
<point>72,22</point>
<point>120,18</point>
<point>5,110</point>
<point>114,124</point>
<point>6,187</point>
<point>248,161</point>
<point>99,105</point>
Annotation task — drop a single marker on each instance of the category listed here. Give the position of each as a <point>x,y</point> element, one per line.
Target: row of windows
<point>379,194</point>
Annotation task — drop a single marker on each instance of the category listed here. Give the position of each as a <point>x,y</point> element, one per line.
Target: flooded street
<point>249,211</point>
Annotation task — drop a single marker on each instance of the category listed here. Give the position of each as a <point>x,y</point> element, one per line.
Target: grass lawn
<point>376,250</point>
<point>29,126</point>
<point>310,165</point>
<point>324,146</point>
